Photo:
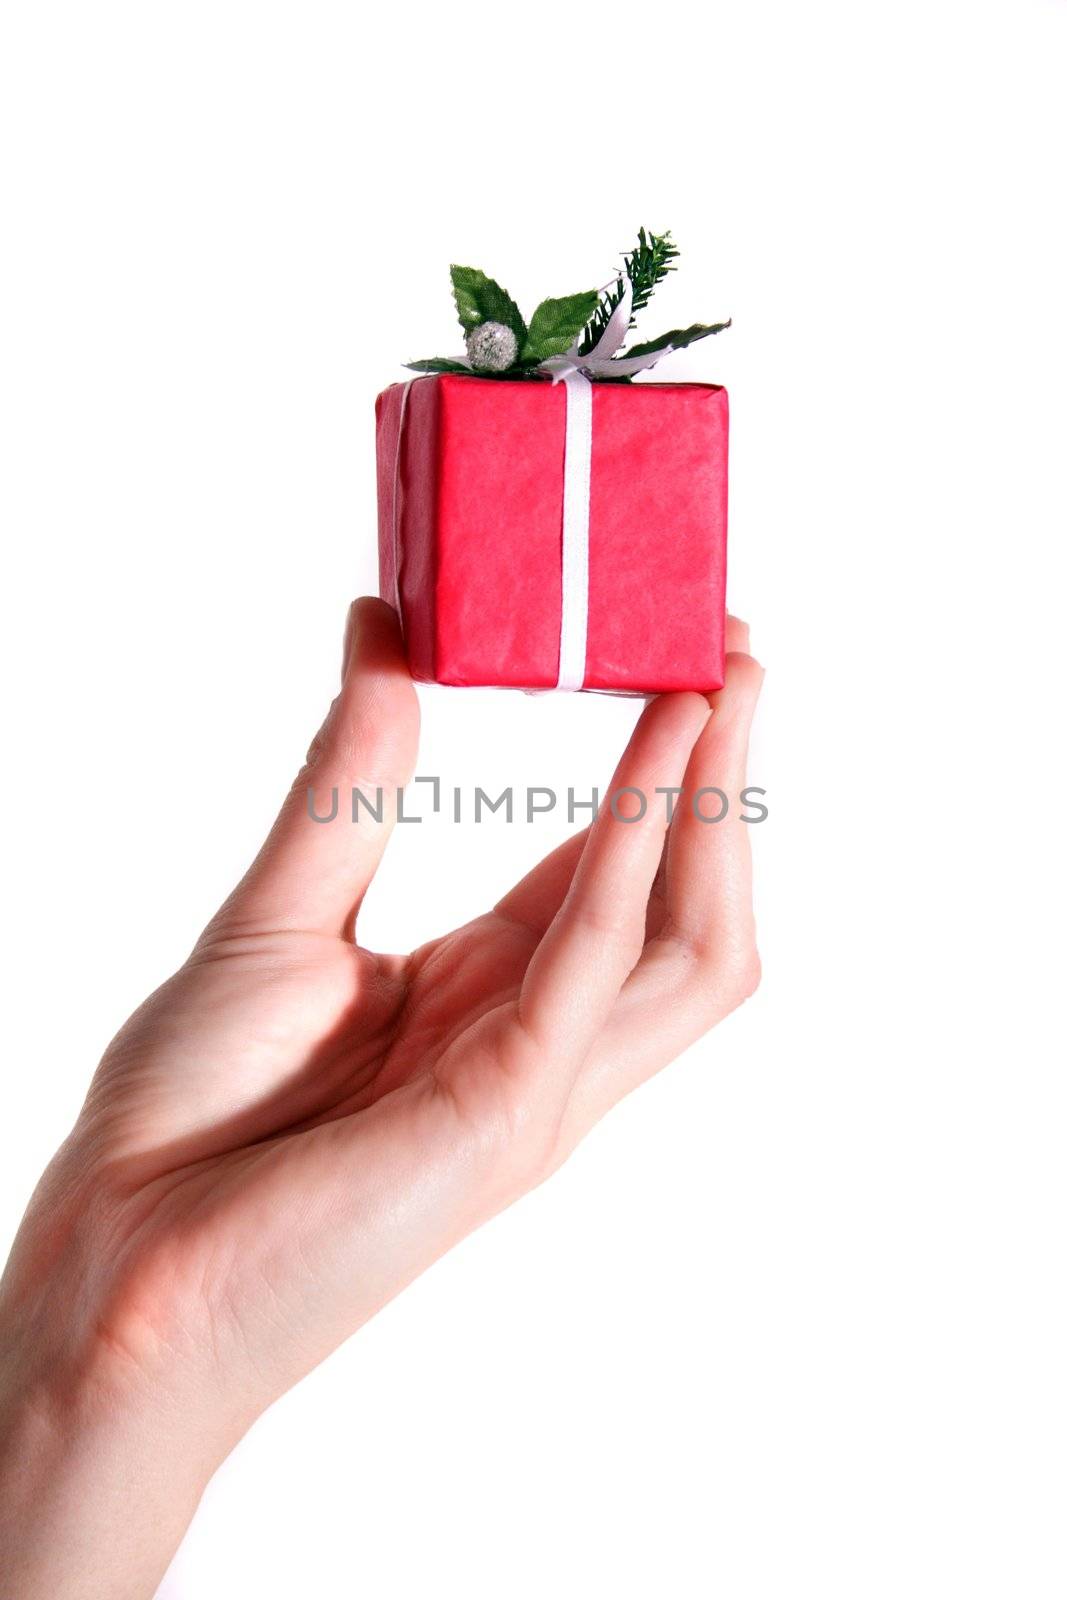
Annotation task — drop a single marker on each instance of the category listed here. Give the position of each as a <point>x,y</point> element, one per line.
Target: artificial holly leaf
<point>678,339</point>
<point>437,364</point>
<point>556,324</point>
<point>481,299</point>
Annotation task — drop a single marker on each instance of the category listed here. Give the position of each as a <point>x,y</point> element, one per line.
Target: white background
<point>792,1322</point>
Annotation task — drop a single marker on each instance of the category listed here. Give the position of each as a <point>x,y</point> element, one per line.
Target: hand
<point>293,1127</point>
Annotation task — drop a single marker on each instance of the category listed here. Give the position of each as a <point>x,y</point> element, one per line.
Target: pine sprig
<point>647,264</point>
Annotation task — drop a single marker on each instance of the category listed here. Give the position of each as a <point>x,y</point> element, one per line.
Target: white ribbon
<point>577,465</point>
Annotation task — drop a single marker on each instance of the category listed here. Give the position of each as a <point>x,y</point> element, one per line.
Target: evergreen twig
<point>647,264</point>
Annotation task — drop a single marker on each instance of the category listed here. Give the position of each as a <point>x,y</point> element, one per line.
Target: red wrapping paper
<point>470,517</point>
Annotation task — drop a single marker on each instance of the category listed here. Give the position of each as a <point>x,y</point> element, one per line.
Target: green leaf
<point>437,364</point>
<point>556,324</point>
<point>480,299</point>
<point>678,338</point>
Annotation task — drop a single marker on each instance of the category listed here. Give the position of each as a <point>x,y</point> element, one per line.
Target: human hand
<point>292,1127</point>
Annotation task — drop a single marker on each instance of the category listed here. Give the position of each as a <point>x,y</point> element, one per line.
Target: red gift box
<point>470,515</point>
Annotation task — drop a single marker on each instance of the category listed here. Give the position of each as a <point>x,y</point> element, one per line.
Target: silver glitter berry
<point>492,347</point>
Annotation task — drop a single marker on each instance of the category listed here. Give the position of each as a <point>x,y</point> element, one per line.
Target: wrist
<point>97,1482</point>
<point>103,1456</point>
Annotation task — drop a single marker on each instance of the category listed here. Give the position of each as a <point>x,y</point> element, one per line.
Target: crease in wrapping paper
<point>472,471</point>
<point>395,518</point>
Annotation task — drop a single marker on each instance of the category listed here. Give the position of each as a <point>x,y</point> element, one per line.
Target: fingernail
<point>350,641</point>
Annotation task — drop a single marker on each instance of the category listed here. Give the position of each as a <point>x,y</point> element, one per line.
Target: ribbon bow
<point>602,361</point>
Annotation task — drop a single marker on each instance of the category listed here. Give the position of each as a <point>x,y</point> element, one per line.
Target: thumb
<point>317,861</point>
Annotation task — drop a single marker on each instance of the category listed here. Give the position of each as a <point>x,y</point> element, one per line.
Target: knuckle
<point>612,929</point>
<point>599,920</point>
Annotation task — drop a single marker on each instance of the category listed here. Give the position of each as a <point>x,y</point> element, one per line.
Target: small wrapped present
<point>543,521</point>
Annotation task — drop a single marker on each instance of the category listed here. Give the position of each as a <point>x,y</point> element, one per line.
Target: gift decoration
<point>544,522</point>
